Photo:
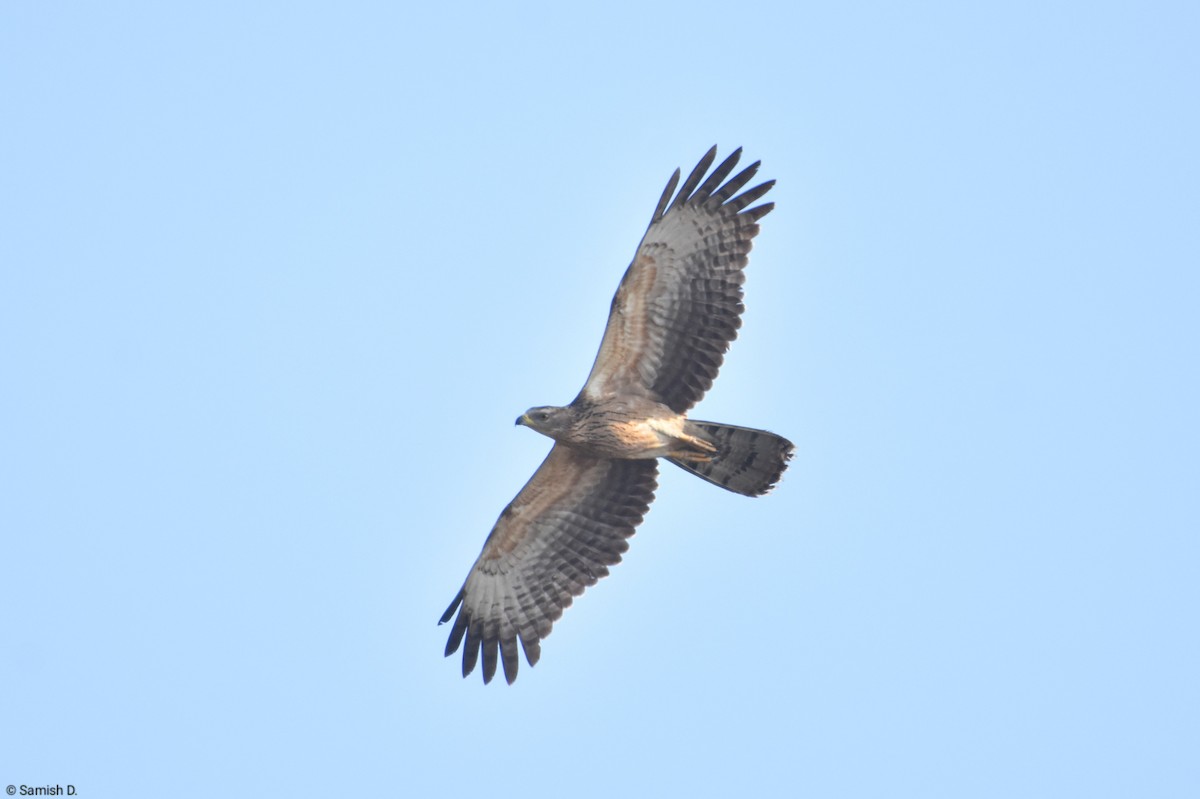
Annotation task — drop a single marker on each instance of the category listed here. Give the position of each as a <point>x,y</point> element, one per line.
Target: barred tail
<point>747,461</point>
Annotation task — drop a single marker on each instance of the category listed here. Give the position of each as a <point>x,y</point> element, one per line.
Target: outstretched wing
<point>558,536</point>
<point>680,303</point>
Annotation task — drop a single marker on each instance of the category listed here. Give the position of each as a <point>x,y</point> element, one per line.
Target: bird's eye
<point>542,416</point>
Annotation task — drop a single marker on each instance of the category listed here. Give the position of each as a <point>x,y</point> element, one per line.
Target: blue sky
<point>276,279</point>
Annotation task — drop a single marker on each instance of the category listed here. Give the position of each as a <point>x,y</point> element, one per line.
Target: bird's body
<point>618,427</point>
<point>674,314</point>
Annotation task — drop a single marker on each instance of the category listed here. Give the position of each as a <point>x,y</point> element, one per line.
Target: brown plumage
<point>674,315</point>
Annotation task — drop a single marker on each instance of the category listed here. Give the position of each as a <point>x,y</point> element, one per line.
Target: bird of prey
<point>676,311</point>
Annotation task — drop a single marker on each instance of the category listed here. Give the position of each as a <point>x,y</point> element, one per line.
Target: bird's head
<point>547,420</point>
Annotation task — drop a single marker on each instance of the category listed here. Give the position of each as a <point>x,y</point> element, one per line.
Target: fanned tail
<point>747,461</point>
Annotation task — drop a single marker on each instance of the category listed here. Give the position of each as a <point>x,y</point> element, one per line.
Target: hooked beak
<point>522,419</point>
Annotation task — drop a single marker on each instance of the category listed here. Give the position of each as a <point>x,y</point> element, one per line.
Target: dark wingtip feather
<point>750,195</point>
<point>470,654</point>
<point>449,614</point>
<point>533,650</point>
<point>456,635</point>
<point>666,197</point>
<point>693,180</point>
<point>759,211</point>
<point>736,182</point>
<point>718,175</point>
<point>509,658</point>
<point>460,624</point>
<point>490,658</point>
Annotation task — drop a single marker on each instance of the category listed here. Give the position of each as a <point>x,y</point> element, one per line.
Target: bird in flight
<point>676,311</point>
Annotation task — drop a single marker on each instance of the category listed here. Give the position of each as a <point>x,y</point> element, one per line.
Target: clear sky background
<point>275,280</point>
